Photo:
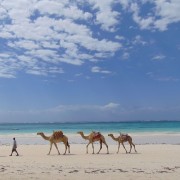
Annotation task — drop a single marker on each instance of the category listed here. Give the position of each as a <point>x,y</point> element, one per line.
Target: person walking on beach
<point>14,147</point>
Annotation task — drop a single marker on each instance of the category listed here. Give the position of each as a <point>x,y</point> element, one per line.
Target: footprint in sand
<point>74,171</point>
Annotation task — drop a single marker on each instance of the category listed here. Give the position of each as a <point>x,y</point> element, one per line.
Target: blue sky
<point>89,60</point>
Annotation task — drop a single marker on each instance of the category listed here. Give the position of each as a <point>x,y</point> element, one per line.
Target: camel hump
<point>57,134</point>
<point>96,135</point>
<point>124,136</point>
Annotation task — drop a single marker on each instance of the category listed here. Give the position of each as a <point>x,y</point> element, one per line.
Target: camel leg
<point>134,147</point>
<point>93,147</point>
<point>57,148</point>
<point>65,147</point>
<point>106,146</point>
<point>124,147</point>
<point>50,149</point>
<point>68,146</point>
<point>87,147</point>
<point>130,147</point>
<point>118,147</point>
<point>100,147</point>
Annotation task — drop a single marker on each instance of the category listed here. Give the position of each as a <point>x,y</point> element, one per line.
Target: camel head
<point>110,134</point>
<point>40,133</point>
<point>79,132</point>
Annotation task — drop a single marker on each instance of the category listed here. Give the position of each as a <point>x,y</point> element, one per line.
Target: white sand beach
<point>151,162</point>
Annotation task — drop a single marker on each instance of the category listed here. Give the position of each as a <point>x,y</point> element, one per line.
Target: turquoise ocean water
<point>150,132</point>
<point>107,127</point>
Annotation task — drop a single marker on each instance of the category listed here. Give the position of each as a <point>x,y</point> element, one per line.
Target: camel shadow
<point>136,153</point>
<point>100,154</point>
<point>69,154</point>
<point>16,156</point>
<point>61,155</point>
<point>133,153</point>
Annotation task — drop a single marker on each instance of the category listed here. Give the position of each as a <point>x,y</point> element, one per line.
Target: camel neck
<point>45,137</point>
<point>116,139</point>
<point>84,137</point>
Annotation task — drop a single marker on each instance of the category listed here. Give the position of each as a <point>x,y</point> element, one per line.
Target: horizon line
<point>86,122</point>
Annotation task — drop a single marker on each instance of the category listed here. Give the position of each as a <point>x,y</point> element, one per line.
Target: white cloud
<point>125,55</point>
<point>111,106</point>
<point>94,44</point>
<point>156,77</point>
<point>159,17</point>
<point>4,55</point>
<point>119,37</point>
<point>61,9</point>
<point>107,107</point>
<point>7,70</point>
<point>144,23</point>
<point>65,113</point>
<point>52,32</point>
<point>89,113</point>
<point>97,69</point>
<point>26,44</point>
<point>138,40</point>
<point>105,15</point>
<point>159,57</point>
<point>168,11</point>
<point>44,70</point>
<point>57,32</point>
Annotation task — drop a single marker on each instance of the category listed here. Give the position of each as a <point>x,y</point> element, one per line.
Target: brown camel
<point>56,137</point>
<point>123,138</point>
<point>94,136</point>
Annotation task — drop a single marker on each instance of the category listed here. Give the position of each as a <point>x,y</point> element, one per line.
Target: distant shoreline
<point>138,138</point>
<point>87,122</point>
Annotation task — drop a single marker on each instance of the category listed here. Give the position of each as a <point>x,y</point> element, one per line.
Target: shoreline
<point>138,138</point>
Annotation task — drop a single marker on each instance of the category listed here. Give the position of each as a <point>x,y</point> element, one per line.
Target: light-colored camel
<point>92,138</point>
<point>121,139</point>
<point>56,137</point>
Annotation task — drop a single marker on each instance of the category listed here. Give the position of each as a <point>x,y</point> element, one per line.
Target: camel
<point>123,138</point>
<point>92,137</point>
<point>56,137</point>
